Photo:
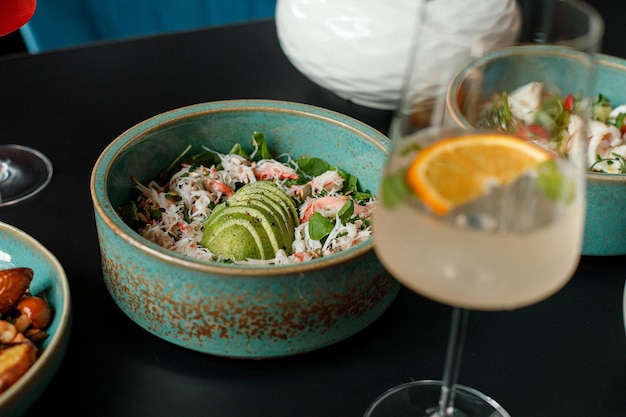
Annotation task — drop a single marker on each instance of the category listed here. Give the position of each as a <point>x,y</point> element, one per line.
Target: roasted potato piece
<point>15,361</point>
<point>14,283</point>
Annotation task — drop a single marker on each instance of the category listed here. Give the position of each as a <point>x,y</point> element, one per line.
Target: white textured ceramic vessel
<point>359,49</point>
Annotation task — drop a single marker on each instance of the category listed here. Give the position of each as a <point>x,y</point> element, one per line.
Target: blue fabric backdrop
<point>65,23</point>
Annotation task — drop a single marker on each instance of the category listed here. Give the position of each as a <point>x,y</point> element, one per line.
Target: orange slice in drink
<point>456,170</point>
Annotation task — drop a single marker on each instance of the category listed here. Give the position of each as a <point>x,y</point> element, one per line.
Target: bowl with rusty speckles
<point>49,281</point>
<point>239,310</point>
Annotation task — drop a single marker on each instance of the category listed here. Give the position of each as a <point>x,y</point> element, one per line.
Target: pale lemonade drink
<point>479,257</point>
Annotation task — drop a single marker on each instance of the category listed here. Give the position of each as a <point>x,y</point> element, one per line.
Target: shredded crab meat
<point>237,169</point>
<point>606,150</point>
<point>269,169</point>
<point>526,100</point>
<point>193,191</point>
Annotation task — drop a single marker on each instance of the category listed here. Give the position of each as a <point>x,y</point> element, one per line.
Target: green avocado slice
<point>269,189</point>
<point>238,235</point>
<point>275,214</point>
<point>245,196</point>
<point>271,216</point>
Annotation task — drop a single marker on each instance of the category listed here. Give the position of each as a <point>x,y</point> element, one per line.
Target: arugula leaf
<point>312,166</point>
<point>128,213</point>
<point>237,149</point>
<point>169,170</point>
<point>319,226</point>
<point>206,158</point>
<point>350,182</point>
<point>346,211</point>
<point>155,213</point>
<point>258,140</point>
<point>364,196</point>
<point>394,188</point>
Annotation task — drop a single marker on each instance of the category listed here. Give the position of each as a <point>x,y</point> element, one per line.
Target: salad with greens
<point>532,111</point>
<point>250,206</point>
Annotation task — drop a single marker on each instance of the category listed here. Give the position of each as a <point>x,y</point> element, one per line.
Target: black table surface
<point>565,356</point>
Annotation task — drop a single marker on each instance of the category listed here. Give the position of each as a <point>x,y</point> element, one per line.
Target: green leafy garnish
<point>616,159</point>
<point>169,170</point>
<point>307,167</point>
<point>237,149</point>
<point>319,226</point>
<point>155,213</point>
<point>258,141</point>
<point>346,211</point>
<point>394,188</point>
<point>619,120</point>
<point>312,166</point>
<point>601,108</point>
<point>555,185</point>
<point>499,116</point>
<point>128,213</point>
<point>552,115</point>
<point>350,183</point>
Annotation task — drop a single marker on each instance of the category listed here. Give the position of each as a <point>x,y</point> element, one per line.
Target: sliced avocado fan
<point>254,223</point>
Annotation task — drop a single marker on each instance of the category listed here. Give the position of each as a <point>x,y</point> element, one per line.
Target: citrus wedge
<point>456,170</point>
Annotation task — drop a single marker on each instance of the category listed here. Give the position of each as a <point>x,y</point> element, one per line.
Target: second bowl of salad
<point>553,107</point>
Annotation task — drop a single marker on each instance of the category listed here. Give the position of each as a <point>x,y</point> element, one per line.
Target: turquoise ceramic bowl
<point>605,224</point>
<point>50,281</point>
<point>605,227</point>
<point>239,311</point>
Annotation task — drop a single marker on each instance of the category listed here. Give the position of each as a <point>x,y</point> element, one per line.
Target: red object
<point>539,131</point>
<point>14,14</point>
<point>568,103</point>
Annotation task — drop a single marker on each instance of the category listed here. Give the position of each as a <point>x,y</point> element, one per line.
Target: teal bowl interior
<point>136,269</point>
<point>49,281</point>
<point>605,233</point>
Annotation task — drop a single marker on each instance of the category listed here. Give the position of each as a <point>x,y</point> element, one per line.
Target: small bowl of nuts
<point>34,319</point>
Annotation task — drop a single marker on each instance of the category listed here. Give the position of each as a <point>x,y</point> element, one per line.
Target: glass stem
<point>453,361</point>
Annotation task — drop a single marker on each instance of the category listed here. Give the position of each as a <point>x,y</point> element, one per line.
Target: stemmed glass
<point>485,216</point>
<point>23,171</point>
<point>514,244</point>
<point>467,226</point>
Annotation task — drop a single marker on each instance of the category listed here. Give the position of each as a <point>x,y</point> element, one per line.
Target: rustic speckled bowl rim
<point>606,177</point>
<point>13,399</point>
<point>104,208</point>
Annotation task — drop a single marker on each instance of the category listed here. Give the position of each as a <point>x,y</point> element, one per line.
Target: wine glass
<point>462,221</point>
<point>23,171</point>
<point>483,219</point>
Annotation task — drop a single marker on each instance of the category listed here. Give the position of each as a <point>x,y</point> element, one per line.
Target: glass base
<point>23,173</point>
<point>421,399</point>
